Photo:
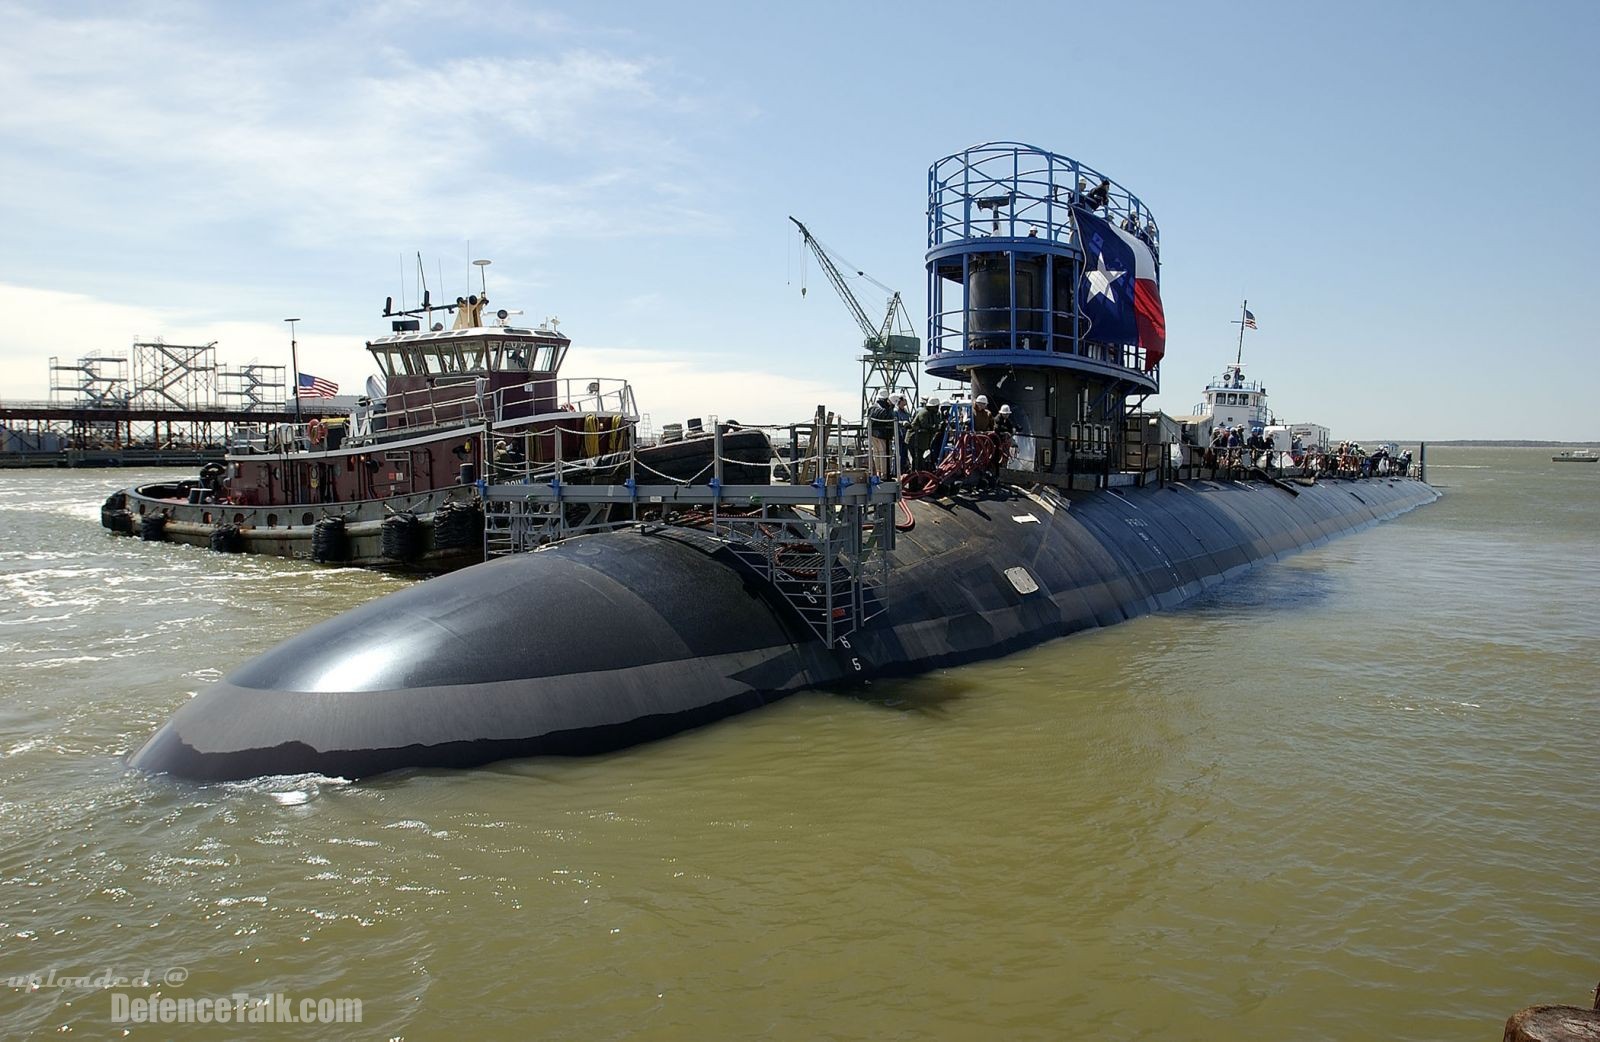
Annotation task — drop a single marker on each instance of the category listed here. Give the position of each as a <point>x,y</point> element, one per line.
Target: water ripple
<point>1349,795</point>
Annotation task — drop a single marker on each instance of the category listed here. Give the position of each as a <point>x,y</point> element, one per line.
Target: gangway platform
<point>825,547</point>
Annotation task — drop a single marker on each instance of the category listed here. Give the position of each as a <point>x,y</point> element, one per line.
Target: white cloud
<point>215,158</point>
<point>42,324</point>
<point>331,133</point>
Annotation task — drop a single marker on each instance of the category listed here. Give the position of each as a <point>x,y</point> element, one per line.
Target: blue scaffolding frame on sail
<point>1002,241</point>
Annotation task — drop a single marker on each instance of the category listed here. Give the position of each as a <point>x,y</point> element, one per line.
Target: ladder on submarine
<point>826,548</point>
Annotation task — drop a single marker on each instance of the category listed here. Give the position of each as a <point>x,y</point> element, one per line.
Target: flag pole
<point>294,360</point>
<point>1244,309</point>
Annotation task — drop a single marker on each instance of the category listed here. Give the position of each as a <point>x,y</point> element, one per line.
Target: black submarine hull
<point>606,641</point>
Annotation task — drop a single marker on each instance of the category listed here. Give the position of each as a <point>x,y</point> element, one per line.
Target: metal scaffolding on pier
<point>154,396</point>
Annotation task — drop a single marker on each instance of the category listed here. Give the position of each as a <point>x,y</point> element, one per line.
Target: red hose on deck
<point>919,483</point>
<point>905,522</point>
<point>969,455</point>
<point>972,454</point>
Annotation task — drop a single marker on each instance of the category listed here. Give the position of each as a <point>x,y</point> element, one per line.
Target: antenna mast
<point>294,360</point>
<point>1244,316</point>
<point>422,280</point>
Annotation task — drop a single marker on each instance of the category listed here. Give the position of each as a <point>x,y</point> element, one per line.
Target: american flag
<point>1249,323</point>
<point>316,387</point>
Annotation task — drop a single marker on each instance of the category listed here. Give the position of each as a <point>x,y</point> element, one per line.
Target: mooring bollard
<point>1554,1024</point>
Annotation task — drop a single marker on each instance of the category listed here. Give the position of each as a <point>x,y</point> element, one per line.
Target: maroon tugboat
<point>397,482</point>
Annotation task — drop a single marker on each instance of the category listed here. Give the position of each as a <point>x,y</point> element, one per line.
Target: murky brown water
<point>1353,795</point>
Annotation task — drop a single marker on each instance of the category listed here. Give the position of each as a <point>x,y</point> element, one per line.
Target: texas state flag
<point>1119,292</point>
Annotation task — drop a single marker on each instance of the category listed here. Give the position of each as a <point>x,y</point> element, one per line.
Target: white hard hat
<point>981,400</point>
<point>1005,409</point>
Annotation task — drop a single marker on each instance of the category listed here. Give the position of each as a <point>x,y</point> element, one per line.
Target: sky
<point>1404,191</point>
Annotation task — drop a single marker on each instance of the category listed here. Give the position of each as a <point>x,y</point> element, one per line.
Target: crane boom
<point>888,318</point>
<point>890,359</point>
<point>831,270</point>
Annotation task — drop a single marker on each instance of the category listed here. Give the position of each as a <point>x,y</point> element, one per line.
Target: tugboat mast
<point>294,361</point>
<point>1244,320</point>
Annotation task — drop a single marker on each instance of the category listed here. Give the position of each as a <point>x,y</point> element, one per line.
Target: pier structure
<point>157,404</point>
<point>44,434</point>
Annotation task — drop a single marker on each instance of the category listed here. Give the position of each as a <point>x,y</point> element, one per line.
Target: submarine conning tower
<point>1005,262</point>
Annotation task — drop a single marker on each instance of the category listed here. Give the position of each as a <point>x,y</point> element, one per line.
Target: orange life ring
<point>316,430</point>
<point>568,407</point>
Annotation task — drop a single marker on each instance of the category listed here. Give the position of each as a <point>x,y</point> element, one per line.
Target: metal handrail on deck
<point>572,395</point>
<point>838,528</point>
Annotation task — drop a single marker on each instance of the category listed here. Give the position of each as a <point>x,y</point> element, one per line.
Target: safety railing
<point>1199,461</point>
<point>570,448</point>
<point>948,333</point>
<point>1010,189</point>
<point>817,529</point>
<point>427,410</point>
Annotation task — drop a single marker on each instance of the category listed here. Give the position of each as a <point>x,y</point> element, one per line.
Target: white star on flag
<point>1100,280</point>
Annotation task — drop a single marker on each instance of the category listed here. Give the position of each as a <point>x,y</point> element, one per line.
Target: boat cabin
<point>1233,401</point>
<point>453,401</point>
<point>438,375</point>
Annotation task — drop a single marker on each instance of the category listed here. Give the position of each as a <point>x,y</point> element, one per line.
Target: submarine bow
<point>589,645</point>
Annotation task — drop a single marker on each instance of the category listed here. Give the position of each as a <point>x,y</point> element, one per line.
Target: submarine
<point>581,642</point>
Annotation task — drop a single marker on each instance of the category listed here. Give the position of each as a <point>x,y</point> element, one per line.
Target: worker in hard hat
<point>982,418</point>
<point>925,428</point>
